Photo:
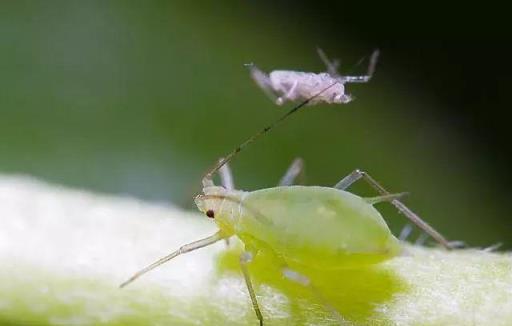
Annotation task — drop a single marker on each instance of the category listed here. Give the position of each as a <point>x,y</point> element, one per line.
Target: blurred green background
<point>140,98</point>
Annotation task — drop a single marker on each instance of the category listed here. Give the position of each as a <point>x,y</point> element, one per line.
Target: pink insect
<point>289,85</point>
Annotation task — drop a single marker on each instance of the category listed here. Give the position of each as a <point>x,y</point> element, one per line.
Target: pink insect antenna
<point>262,132</point>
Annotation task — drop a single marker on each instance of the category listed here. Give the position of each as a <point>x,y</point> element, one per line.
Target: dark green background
<point>141,98</point>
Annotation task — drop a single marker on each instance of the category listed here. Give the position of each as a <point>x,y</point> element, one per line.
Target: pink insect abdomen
<point>308,85</point>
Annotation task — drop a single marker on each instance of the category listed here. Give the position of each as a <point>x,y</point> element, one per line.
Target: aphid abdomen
<point>318,226</point>
<point>307,85</point>
<point>283,80</point>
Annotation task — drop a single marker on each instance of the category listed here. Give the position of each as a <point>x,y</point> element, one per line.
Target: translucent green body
<point>315,226</point>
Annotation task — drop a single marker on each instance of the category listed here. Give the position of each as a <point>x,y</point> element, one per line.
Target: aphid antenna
<point>239,148</point>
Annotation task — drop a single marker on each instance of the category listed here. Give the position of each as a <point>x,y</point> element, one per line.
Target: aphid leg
<point>245,259</point>
<point>405,233</point>
<point>332,66</point>
<point>182,250</point>
<point>358,174</point>
<point>422,238</point>
<point>304,281</point>
<point>458,244</point>
<point>207,181</point>
<point>295,169</point>
<point>385,198</point>
<point>226,177</point>
<point>371,69</point>
<point>263,81</point>
<point>289,95</point>
<point>347,181</point>
<point>492,248</point>
<point>226,180</point>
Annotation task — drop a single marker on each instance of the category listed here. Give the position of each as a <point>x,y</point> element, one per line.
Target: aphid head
<point>220,205</point>
<point>210,202</point>
<point>341,97</point>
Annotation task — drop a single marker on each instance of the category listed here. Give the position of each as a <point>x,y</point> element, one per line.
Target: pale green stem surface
<point>64,252</point>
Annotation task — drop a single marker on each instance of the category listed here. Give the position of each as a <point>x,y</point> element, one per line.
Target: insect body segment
<point>286,85</point>
<point>318,226</point>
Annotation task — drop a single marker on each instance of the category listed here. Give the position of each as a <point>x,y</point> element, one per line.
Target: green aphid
<point>325,227</point>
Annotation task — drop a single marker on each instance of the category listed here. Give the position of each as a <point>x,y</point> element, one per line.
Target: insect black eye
<point>210,213</point>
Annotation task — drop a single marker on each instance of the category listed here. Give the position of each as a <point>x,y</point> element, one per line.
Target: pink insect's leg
<point>295,169</point>
<point>263,81</point>
<point>358,174</point>
<point>304,281</point>
<point>290,95</point>
<point>332,66</point>
<point>366,78</point>
<point>245,259</point>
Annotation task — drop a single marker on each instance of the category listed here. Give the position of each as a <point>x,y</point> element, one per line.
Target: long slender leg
<point>263,81</point>
<point>406,232</point>
<point>289,95</point>
<point>347,181</point>
<point>226,177</point>
<point>332,66</point>
<point>295,169</point>
<point>182,250</point>
<point>227,181</point>
<point>422,238</point>
<point>245,259</point>
<point>492,248</point>
<point>356,79</point>
<point>371,69</point>
<point>304,281</point>
<point>358,174</point>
